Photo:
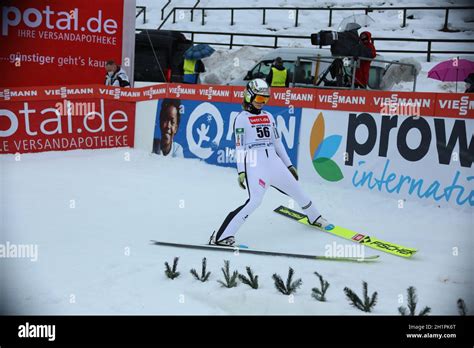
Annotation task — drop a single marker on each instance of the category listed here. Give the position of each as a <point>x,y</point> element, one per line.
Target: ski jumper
<point>261,155</point>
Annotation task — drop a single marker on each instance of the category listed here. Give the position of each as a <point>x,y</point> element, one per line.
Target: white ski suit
<point>261,155</point>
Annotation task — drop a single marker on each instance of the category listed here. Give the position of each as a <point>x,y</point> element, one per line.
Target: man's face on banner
<point>169,127</point>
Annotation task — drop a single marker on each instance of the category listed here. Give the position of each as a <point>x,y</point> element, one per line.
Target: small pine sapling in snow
<point>230,281</point>
<point>462,307</point>
<point>320,294</point>
<point>367,304</point>
<point>171,272</point>
<point>290,287</point>
<point>204,274</point>
<point>412,302</point>
<point>252,279</point>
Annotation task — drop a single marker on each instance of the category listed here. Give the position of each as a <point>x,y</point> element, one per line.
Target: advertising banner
<point>402,144</point>
<point>55,42</point>
<point>61,124</point>
<point>80,92</point>
<point>204,129</point>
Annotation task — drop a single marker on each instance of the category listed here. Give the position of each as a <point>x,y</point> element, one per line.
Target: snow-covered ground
<point>424,24</point>
<point>93,213</point>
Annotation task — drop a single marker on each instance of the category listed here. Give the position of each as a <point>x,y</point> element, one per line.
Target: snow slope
<point>424,24</point>
<point>95,258</point>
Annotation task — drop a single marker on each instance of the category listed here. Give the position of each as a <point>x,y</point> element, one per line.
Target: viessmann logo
<point>323,149</point>
<point>56,20</point>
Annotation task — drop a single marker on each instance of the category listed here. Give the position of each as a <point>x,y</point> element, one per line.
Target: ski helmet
<point>254,88</point>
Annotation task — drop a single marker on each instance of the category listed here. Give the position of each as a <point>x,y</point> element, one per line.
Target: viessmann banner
<point>52,42</point>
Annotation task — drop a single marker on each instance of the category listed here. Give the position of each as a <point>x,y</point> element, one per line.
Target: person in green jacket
<point>278,76</point>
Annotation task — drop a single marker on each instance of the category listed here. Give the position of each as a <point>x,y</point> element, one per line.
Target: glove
<point>242,180</point>
<point>293,171</point>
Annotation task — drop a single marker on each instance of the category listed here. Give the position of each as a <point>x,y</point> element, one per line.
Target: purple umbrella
<point>452,70</point>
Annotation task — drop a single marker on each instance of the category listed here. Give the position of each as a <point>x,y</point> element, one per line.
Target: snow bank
<point>226,65</point>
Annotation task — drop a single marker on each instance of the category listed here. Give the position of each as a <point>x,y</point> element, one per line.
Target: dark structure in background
<point>343,43</point>
<point>159,55</point>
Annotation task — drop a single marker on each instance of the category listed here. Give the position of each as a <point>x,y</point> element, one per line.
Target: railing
<point>192,9</point>
<point>163,9</point>
<point>294,12</point>
<point>172,12</point>
<point>140,10</point>
<point>231,43</point>
<point>429,50</point>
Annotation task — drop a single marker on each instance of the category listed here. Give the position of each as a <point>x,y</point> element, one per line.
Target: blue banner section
<point>197,129</point>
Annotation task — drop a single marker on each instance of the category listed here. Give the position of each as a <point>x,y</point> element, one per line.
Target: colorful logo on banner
<point>205,130</point>
<point>323,149</point>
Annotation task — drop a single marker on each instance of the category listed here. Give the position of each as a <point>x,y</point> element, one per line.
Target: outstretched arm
<point>279,148</point>
<point>239,133</point>
<point>281,152</point>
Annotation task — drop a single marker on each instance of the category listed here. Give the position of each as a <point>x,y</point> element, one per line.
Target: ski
<point>345,233</point>
<point>263,252</point>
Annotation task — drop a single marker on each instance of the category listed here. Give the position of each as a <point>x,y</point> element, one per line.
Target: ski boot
<point>322,223</point>
<point>227,242</point>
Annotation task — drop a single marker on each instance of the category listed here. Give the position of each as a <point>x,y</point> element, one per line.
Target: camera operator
<point>346,43</point>
<point>362,72</point>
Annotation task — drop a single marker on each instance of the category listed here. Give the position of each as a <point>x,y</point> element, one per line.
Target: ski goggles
<point>261,99</point>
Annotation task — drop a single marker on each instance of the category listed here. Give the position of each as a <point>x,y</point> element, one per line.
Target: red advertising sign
<point>61,124</point>
<point>54,42</point>
<point>80,92</point>
<point>383,102</point>
<point>454,105</point>
<point>343,100</point>
<point>296,97</point>
<point>237,94</point>
<point>200,92</point>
